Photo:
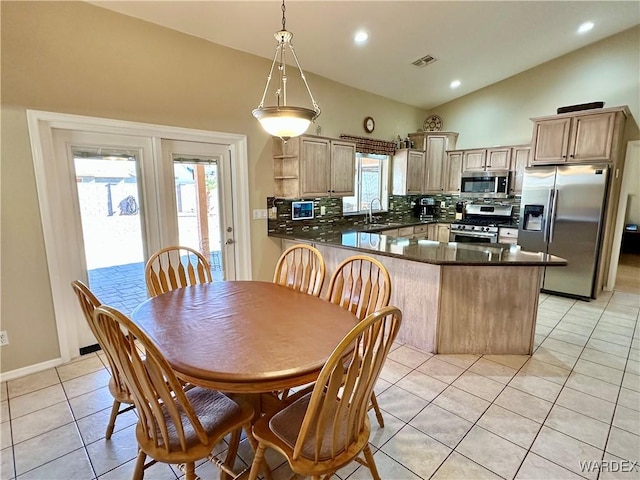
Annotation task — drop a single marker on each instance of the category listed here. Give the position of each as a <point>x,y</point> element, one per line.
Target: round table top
<point>244,336</point>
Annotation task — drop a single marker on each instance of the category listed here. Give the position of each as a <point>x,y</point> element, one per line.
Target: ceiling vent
<point>424,61</point>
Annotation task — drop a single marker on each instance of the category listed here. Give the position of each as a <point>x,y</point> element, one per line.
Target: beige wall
<point>73,57</point>
<point>499,114</point>
<point>607,71</point>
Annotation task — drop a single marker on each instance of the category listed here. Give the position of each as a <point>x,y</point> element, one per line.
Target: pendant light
<point>282,120</point>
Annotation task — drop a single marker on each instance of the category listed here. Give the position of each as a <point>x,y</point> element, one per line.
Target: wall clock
<point>369,124</point>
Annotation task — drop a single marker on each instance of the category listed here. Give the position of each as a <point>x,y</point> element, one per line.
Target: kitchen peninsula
<point>455,297</point>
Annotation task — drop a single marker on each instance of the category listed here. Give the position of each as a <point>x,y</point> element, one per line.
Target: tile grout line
<point>604,450</point>
<point>553,404</point>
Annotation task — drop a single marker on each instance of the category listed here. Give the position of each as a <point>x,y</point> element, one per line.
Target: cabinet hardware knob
<point>571,155</point>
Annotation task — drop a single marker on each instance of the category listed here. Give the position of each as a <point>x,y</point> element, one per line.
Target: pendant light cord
<point>284,20</point>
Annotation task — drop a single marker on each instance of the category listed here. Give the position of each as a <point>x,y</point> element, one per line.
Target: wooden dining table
<point>244,336</point>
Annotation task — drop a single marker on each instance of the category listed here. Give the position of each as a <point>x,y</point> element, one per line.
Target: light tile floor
<point>577,399</point>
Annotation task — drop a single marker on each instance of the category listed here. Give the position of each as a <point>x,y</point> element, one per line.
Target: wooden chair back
<point>175,267</point>
<point>360,284</point>
<point>301,267</point>
<point>337,410</point>
<point>89,302</point>
<point>165,414</point>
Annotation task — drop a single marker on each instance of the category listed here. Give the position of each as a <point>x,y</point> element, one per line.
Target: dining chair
<point>175,267</point>
<point>329,427</point>
<point>174,425</point>
<point>362,285</point>
<point>118,388</point>
<point>301,267</point>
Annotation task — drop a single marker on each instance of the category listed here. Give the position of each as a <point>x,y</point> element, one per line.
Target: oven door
<point>473,237</point>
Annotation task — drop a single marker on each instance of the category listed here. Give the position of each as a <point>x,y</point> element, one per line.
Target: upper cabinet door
<point>520,156</point>
<point>315,167</point>
<point>434,164</point>
<point>498,159</point>
<point>551,140</point>
<point>453,172</point>
<point>474,160</point>
<point>415,171</point>
<point>343,168</point>
<point>592,137</point>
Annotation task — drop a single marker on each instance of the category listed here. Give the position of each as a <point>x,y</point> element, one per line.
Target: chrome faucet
<point>371,208</point>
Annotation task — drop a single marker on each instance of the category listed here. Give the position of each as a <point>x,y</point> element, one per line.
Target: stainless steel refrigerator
<point>562,213</point>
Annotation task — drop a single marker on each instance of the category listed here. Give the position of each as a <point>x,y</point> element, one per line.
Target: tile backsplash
<point>333,220</point>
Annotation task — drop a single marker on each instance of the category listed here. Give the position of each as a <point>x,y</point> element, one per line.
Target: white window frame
<point>384,184</point>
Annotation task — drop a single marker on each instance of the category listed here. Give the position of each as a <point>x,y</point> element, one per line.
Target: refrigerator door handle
<point>547,226</point>
<point>553,215</point>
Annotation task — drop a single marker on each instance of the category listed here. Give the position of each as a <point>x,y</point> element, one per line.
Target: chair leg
<point>234,443</point>
<point>258,459</point>
<point>191,471</point>
<point>112,419</point>
<point>376,408</point>
<point>138,473</point>
<point>371,463</point>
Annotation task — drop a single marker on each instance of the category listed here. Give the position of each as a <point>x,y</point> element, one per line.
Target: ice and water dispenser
<point>533,218</point>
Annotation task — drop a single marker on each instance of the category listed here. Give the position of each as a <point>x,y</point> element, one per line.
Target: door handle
<point>547,225</point>
<point>553,216</point>
<point>230,241</point>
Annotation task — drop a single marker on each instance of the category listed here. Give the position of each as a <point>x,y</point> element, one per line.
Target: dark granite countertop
<point>427,251</point>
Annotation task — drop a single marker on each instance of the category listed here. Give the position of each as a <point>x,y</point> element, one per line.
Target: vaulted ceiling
<point>478,42</point>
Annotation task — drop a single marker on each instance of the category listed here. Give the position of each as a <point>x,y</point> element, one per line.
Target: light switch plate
<point>259,213</point>
<point>323,210</point>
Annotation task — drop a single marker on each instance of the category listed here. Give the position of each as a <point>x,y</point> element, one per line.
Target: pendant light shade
<point>281,120</point>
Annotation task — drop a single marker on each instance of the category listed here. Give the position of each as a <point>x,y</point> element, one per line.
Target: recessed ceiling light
<point>361,36</point>
<point>455,84</point>
<point>585,27</point>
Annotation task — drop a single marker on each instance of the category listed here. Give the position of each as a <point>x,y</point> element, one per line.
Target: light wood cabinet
<point>343,168</point>
<point>435,146</point>
<point>587,136</point>
<point>486,160</point>
<point>442,232</point>
<point>438,232</point>
<point>310,166</point>
<point>519,161</point>
<point>474,160</point>
<point>453,177</point>
<point>498,158</point>
<point>408,172</point>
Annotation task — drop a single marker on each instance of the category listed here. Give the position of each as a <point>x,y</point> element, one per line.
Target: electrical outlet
<point>4,338</point>
<point>323,210</point>
<point>443,204</point>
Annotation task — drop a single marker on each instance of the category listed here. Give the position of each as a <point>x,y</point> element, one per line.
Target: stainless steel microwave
<point>485,184</point>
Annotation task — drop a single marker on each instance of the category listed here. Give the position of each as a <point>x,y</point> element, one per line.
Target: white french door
<point>202,201</point>
<point>109,199</point>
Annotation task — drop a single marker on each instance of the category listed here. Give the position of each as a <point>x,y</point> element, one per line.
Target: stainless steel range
<point>480,223</point>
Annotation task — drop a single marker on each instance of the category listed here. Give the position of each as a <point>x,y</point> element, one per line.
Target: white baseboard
<point>38,367</point>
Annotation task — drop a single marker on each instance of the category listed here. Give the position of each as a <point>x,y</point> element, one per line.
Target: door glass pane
<point>198,209</point>
<point>107,186</point>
